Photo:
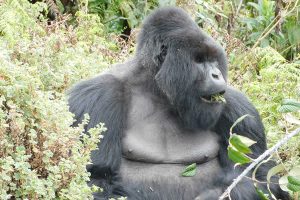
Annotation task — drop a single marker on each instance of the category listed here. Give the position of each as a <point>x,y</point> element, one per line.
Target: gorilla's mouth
<point>215,98</point>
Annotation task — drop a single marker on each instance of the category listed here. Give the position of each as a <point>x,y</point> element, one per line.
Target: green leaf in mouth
<point>218,97</point>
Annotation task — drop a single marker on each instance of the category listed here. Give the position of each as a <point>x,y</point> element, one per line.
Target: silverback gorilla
<point>161,113</point>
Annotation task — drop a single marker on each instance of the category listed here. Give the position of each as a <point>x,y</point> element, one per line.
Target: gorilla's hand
<point>211,194</point>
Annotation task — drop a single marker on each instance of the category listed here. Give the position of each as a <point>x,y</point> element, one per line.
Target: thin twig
<point>265,35</point>
<point>258,160</point>
<point>277,22</point>
<point>261,182</point>
<point>238,8</point>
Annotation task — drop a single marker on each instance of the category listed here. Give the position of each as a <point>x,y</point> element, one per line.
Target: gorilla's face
<point>188,66</point>
<point>193,77</point>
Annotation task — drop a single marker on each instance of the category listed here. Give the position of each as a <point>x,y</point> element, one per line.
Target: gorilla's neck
<point>197,115</point>
<point>144,75</point>
<point>189,110</point>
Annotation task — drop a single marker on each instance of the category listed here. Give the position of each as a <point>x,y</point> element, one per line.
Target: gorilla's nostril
<point>222,92</point>
<point>215,76</point>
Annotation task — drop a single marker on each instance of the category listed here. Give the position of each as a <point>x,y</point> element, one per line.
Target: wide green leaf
<point>274,170</point>
<point>291,102</point>
<point>190,170</point>
<point>289,105</point>
<point>293,188</point>
<point>237,156</point>
<point>247,141</point>
<point>241,143</point>
<point>293,180</point>
<point>288,108</point>
<point>283,181</point>
<point>236,142</point>
<point>261,194</point>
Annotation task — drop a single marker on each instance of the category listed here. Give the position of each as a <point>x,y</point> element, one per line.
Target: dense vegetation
<point>46,46</point>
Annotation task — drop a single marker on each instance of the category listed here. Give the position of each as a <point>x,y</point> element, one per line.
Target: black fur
<point>172,61</point>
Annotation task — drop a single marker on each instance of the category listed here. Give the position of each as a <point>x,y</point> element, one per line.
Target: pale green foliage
<point>41,155</point>
<point>18,19</point>
<point>261,23</point>
<point>267,80</point>
<point>254,27</point>
<point>274,83</point>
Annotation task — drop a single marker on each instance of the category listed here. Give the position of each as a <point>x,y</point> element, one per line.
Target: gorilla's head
<point>188,66</point>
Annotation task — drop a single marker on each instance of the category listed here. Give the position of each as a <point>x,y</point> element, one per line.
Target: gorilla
<point>167,107</point>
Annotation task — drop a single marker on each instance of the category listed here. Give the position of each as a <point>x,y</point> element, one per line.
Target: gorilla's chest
<point>155,136</point>
<point>156,150</point>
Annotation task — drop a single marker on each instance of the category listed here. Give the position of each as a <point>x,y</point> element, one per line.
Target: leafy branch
<point>257,161</point>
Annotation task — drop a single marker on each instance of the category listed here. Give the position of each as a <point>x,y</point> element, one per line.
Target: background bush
<point>46,46</point>
<point>41,155</point>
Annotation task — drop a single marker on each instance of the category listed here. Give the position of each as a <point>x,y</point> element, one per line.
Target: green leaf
<point>293,188</point>
<point>288,108</point>
<point>289,105</point>
<point>20,149</point>
<point>219,97</point>
<point>237,143</point>
<point>293,180</point>
<point>247,141</point>
<point>190,170</point>
<point>237,156</point>
<point>261,194</point>
<point>283,181</point>
<point>274,170</point>
<point>291,102</point>
<point>254,5</point>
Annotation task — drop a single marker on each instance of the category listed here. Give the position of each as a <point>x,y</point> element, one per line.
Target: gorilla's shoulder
<point>237,105</point>
<point>106,80</point>
<point>237,102</point>
<point>98,97</point>
<point>122,71</point>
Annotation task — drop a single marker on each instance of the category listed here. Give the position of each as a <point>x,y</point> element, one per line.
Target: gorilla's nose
<point>216,73</point>
<point>216,76</point>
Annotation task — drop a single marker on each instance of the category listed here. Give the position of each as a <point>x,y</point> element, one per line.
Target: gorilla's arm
<point>238,105</point>
<point>103,98</point>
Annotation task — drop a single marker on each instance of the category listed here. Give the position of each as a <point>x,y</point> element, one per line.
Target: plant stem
<point>258,160</point>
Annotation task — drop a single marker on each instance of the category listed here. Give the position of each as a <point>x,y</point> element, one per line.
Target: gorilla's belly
<point>165,180</point>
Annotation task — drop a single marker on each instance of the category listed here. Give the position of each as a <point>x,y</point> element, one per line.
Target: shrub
<point>41,155</point>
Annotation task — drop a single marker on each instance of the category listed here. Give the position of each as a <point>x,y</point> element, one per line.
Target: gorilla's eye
<point>200,58</point>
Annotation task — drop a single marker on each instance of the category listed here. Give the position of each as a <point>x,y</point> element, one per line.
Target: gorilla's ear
<point>160,57</point>
<point>173,76</point>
